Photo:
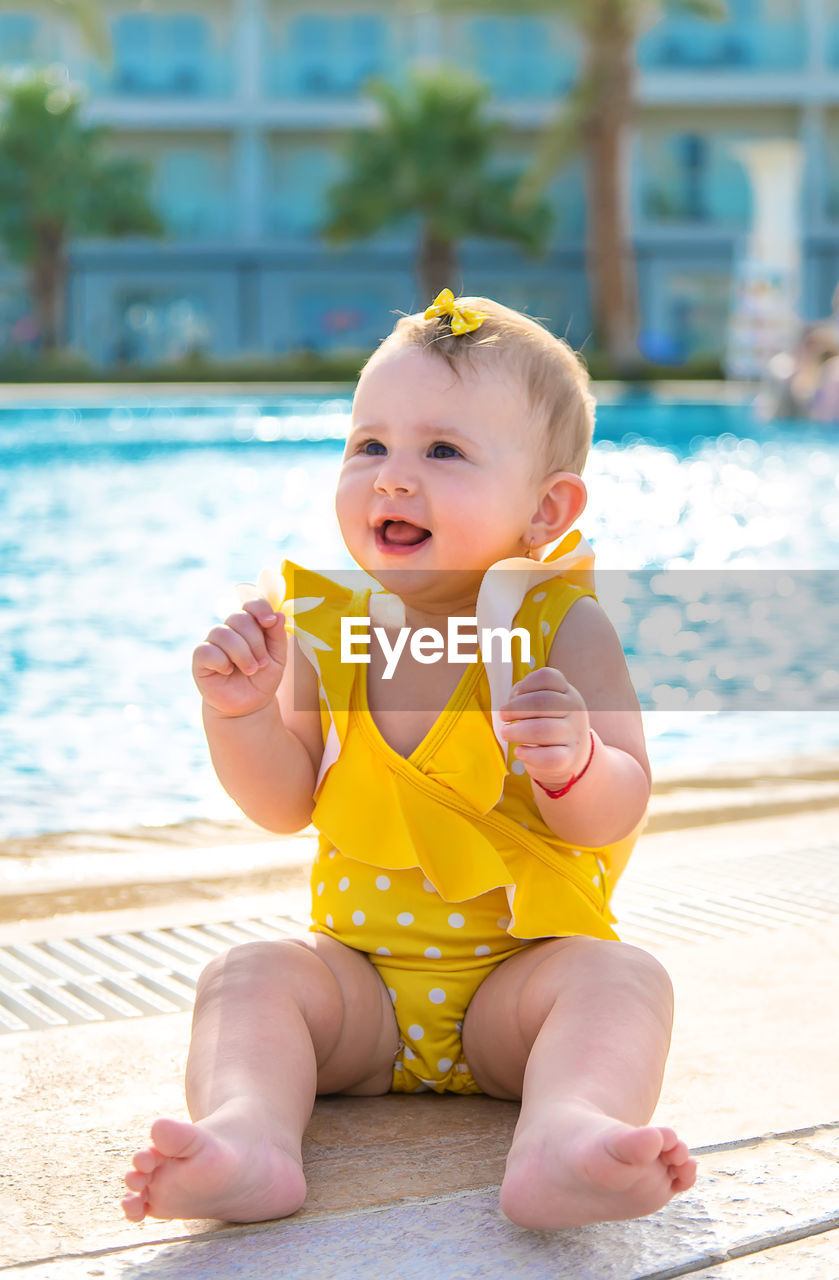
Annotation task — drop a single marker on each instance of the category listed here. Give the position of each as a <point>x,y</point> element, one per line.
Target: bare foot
<point>587,1167</point>
<point>223,1167</point>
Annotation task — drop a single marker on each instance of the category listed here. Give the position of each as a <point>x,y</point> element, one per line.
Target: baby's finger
<point>272,628</point>
<point>541,678</point>
<point>547,762</point>
<point>262,611</point>
<point>255,636</point>
<point>209,659</point>
<point>237,648</point>
<point>541,702</point>
<point>540,733</point>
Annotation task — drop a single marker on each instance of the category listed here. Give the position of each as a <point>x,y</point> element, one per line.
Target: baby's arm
<point>584,690</point>
<point>265,742</point>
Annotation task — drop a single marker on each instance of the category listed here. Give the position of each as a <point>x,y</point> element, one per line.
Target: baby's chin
<point>446,591</point>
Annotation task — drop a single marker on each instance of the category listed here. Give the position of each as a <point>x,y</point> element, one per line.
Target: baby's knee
<point>622,965</point>
<point>644,973</point>
<point>594,966</point>
<point>254,965</point>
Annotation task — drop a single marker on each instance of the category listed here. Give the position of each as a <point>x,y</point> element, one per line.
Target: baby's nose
<point>395,476</point>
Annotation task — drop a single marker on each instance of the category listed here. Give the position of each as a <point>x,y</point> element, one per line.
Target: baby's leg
<point>579,1029</point>
<point>274,1023</point>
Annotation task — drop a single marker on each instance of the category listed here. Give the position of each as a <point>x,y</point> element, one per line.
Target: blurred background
<point>609,149</point>
<point>245,191</point>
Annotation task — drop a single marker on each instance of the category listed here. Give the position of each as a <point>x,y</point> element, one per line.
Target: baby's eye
<point>441,450</point>
<point>373,448</point>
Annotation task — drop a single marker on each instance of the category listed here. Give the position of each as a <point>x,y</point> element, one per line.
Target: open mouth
<point>396,534</point>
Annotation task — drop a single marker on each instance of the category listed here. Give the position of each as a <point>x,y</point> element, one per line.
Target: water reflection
<point>124,529</point>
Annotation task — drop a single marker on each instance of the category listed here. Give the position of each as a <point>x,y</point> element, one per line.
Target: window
<point>694,178</point>
<point>154,54</point>
<point>159,325</point>
<point>335,55</point>
<point>300,176</point>
<point>757,35</point>
<point>518,57</point>
<point>193,190</point>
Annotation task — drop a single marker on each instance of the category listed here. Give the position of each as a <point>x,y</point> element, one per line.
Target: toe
<point>684,1177</point>
<point>674,1152</point>
<point>146,1161</point>
<point>134,1208</point>
<point>635,1146</point>
<point>135,1180</point>
<point>176,1139</point>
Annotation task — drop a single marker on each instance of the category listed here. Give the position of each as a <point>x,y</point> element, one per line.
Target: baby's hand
<point>547,721</point>
<point>239,667</point>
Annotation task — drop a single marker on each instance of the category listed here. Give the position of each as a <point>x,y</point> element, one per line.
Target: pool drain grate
<point>69,981</point>
<point>62,982</point>
<point>745,894</point>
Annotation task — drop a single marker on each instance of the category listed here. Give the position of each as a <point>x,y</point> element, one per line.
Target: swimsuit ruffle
<point>462,826</point>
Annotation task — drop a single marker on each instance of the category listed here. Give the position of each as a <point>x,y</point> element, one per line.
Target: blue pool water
<point>124,529</point>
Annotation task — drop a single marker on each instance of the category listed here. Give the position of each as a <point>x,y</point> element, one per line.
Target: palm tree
<point>56,183</point>
<point>595,118</point>
<point>430,157</point>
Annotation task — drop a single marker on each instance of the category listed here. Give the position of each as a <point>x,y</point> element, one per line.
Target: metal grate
<point>67,981</point>
<point>743,895</point>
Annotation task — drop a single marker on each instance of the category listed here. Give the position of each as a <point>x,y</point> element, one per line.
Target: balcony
<point>693,180</point>
<point>156,56</point>
<point>329,57</point>
<point>520,57</point>
<point>750,42</point>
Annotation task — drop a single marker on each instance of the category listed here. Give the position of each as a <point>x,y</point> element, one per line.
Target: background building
<point>240,108</point>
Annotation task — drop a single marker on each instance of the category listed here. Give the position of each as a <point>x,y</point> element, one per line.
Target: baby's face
<point>439,472</point>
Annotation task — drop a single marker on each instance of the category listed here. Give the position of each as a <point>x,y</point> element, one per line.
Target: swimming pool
<point>124,528</point>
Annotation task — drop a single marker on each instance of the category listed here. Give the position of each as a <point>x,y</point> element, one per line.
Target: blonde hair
<point>551,373</point>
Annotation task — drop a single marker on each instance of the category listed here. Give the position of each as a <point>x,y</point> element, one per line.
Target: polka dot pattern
<point>431,954</point>
<point>451,944</point>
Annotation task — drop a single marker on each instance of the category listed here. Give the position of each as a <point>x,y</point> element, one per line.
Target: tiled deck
<point>742,912</point>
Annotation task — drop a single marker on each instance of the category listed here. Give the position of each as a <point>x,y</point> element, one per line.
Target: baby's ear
<point>563,501</point>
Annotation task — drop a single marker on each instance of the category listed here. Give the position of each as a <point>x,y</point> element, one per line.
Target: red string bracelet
<point>563,791</point>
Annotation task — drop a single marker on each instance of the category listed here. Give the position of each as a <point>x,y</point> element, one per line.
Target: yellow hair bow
<point>464,319</point>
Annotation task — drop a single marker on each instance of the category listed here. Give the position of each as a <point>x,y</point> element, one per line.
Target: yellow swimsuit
<point>438,866</point>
